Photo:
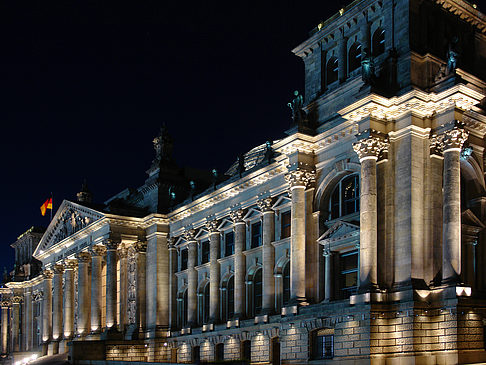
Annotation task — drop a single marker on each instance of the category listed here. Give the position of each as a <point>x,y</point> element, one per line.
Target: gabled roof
<point>70,218</point>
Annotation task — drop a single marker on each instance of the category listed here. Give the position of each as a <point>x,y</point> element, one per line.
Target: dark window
<point>256,234</point>
<point>323,344</point>
<point>231,297</point>
<point>246,350</point>
<point>275,351</point>
<point>196,354</point>
<point>349,273</point>
<point>332,70</point>
<point>219,356</point>
<point>184,259</point>
<point>378,42</point>
<point>354,57</point>
<point>345,197</point>
<point>184,309</point>
<point>286,284</point>
<point>205,252</point>
<point>285,225</point>
<point>206,304</point>
<point>257,291</point>
<point>229,244</point>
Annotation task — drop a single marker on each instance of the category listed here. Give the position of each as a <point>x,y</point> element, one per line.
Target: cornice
<point>466,12</point>
<point>25,284</point>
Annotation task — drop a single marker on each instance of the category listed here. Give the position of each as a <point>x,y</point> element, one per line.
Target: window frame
<point>341,207</point>
<point>258,236</point>
<point>322,340</point>
<point>283,226</point>
<point>226,234</point>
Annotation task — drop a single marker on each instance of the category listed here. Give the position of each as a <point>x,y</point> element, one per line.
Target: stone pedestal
<point>240,263</point>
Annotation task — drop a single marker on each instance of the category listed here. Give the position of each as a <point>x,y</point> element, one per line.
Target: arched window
<point>206,304</point>
<point>257,291</point>
<point>378,42</point>
<point>332,70</point>
<point>286,284</point>
<point>354,57</point>
<point>345,197</point>
<point>231,297</point>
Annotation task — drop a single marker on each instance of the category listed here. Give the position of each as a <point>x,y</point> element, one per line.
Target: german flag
<point>47,205</point>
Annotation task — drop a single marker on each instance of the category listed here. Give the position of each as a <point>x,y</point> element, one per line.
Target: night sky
<point>85,86</point>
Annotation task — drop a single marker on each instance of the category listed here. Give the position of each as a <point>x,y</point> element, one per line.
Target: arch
<point>203,301</point>
<point>354,57</point>
<point>279,266</point>
<point>227,291</point>
<point>332,70</point>
<point>378,42</point>
<point>182,306</point>
<point>471,172</point>
<point>254,290</point>
<point>252,271</point>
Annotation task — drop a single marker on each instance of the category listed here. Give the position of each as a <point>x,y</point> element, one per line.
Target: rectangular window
<point>184,259</point>
<point>256,234</point>
<point>229,244</point>
<point>205,252</point>
<point>285,225</point>
<point>324,344</point>
<point>349,273</point>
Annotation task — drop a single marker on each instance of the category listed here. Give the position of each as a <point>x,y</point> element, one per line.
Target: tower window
<point>332,70</point>
<point>354,57</point>
<point>258,291</point>
<point>206,304</point>
<point>378,42</point>
<point>286,284</point>
<point>345,197</point>
<point>231,297</point>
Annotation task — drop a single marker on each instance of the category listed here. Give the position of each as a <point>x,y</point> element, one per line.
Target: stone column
<point>47,306</point>
<point>342,56</point>
<point>173,283</point>
<point>97,253</point>
<point>141,261</point>
<point>328,277</point>
<point>191,278</point>
<point>451,143</point>
<point>298,181</point>
<point>240,262</point>
<point>27,322</point>
<point>157,281</point>
<point>369,147</point>
<point>84,290</point>
<point>268,236</point>
<point>123,308</point>
<point>214,270</point>
<point>5,304</point>
<point>16,300</point>
<point>68,307</point>
<point>57,302</point>
<point>111,247</point>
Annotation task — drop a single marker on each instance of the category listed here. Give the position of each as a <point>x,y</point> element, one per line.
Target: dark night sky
<point>85,86</point>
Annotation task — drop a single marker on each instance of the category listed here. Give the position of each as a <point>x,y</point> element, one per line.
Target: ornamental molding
<point>37,295</point>
<point>453,138</point>
<point>190,234</point>
<point>58,269</point>
<point>238,215</point>
<point>371,144</point>
<point>466,12</point>
<point>70,264</point>
<point>5,303</point>
<point>97,250</point>
<point>300,177</point>
<point>265,205</point>
<point>111,245</point>
<point>47,274</point>
<point>83,257</point>
<point>212,225</point>
<point>17,299</point>
<point>419,103</point>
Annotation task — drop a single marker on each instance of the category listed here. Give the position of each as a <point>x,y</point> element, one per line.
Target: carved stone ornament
<point>110,244</point>
<point>132,285</point>
<point>83,257</point>
<point>70,264</point>
<point>71,222</point>
<point>37,295</point>
<point>190,234</point>
<point>265,204</point>
<point>370,144</point>
<point>5,303</point>
<point>171,243</point>
<point>121,253</point>
<point>98,250</point>
<point>453,139</point>
<point>212,226</point>
<point>58,269</point>
<point>140,246</point>
<point>300,177</point>
<point>17,299</point>
<point>237,215</point>
<point>326,252</point>
<point>48,274</point>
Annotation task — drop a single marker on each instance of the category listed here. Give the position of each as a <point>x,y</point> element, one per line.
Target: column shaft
<point>111,285</point>
<point>68,307</point>
<point>96,292</point>
<point>28,334</point>
<point>141,260</point>
<point>123,308</point>
<point>47,308</point>
<point>268,261</point>
<point>4,328</point>
<point>240,269</point>
<point>57,303</point>
<point>173,287</point>
<point>192,284</point>
<point>214,274</point>
<point>328,278</point>
<point>15,324</point>
<point>84,294</point>
<point>297,245</point>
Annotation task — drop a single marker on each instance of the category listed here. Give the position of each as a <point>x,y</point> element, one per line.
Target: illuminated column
<point>97,253</point>
<point>451,142</point>
<point>214,270</point>
<point>27,322</point>
<point>240,262</point>
<point>84,290</point>
<point>140,248</point>
<point>342,56</point>
<point>191,278</point>
<point>369,146</point>
<point>47,306</point>
<point>68,307</point>
<point>328,280</point>
<point>5,304</point>
<point>16,300</point>
<point>268,236</point>
<point>123,308</point>
<point>110,296</point>
<point>173,283</point>
<point>57,302</point>
<point>298,181</point>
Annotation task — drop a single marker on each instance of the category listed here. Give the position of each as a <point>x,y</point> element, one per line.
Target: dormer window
<point>378,42</point>
<point>354,57</point>
<point>332,70</point>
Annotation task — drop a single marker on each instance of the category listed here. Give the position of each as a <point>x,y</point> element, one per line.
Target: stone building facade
<point>357,238</point>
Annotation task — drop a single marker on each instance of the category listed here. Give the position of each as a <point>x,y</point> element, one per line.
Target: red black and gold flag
<point>47,205</point>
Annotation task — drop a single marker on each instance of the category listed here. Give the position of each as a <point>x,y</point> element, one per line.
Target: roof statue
<point>298,114</point>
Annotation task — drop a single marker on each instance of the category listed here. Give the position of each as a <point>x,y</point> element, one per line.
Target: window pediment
<point>339,231</point>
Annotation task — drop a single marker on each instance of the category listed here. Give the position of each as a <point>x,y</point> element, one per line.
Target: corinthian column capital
<point>48,274</point>
<point>111,245</point>
<point>70,264</point>
<point>212,225</point>
<point>17,299</point>
<point>190,234</point>
<point>83,256</point>
<point>370,144</point>
<point>451,139</point>
<point>5,304</point>
<point>58,269</point>
<point>300,177</point>
<point>265,204</point>
<point>98,250</point>
<point>237,215</point>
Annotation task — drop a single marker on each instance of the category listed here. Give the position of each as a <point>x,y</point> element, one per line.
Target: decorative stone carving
<point>237,215</point>
<point>190,234</point>
<point>70,264</point>
<point>140,246</point>
<point>37,295</point>
<point>212,226</point>
<point>122,253</point>
<point>370,144</point>
<point>83,256</point>
<point>70,222</point>
<point>58,269</point>
<point>48,274</point>
<point>111,244</point>
<point>455,138</point>
<point>98,250</point>
<point>17,299</point>
<point>171,243</point>
<point>132,284</point>
<point>265,204</point>
<point>300,177</point>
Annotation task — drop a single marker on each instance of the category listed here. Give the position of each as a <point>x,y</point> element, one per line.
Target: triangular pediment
<point>283,200</point>
<point>340,230</point>
<point>70,218</point>
<point>225,223</point>
<point>252,213</point>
